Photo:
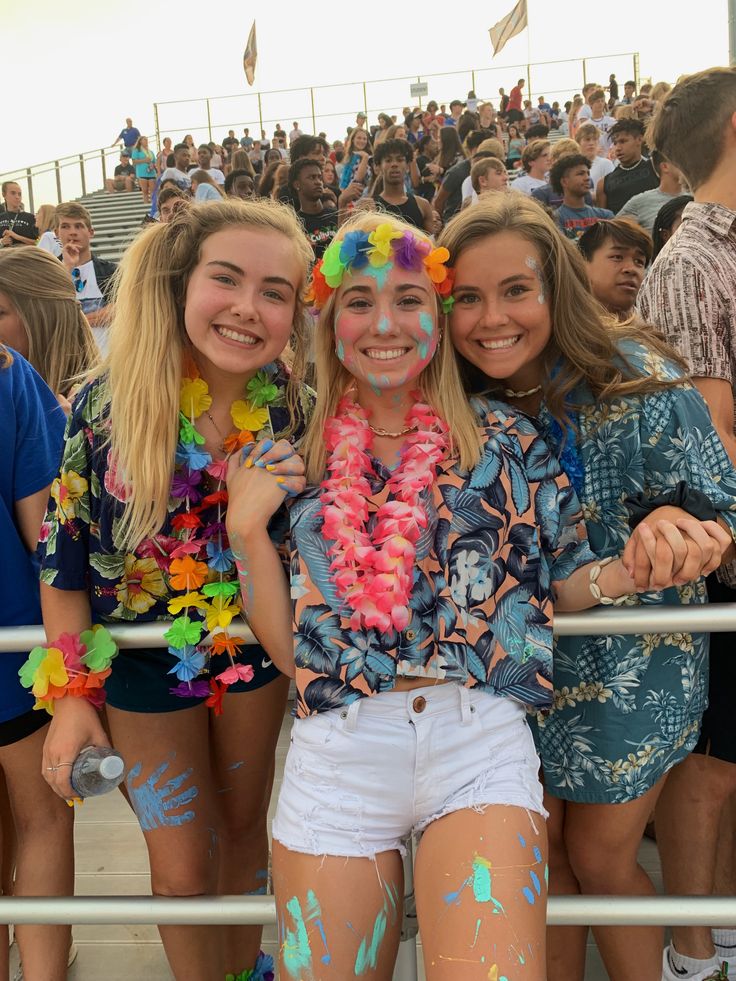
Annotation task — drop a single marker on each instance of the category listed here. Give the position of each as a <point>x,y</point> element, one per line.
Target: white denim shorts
<point>361,779</point>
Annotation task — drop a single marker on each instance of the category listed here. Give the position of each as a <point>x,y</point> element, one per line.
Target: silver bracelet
<point>595,589</point>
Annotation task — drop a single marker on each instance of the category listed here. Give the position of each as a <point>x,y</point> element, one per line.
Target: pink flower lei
<point>373,572</point>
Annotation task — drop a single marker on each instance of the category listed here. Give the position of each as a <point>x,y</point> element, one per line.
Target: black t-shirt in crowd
<point>320,229</point>
<point>125,170</point>
<point>21,222</point>
<point>622,184</point>
<point>453,186</point>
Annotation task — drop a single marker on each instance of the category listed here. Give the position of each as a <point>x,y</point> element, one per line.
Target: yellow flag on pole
<point>250,55</point>
<point>509,26</point>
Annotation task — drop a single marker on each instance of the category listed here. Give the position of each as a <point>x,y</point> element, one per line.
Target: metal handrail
<point>711,618</point>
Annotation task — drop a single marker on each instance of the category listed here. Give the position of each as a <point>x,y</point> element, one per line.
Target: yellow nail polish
<point>249,462</point>
<point>280,480</point>
<point>270,466</point>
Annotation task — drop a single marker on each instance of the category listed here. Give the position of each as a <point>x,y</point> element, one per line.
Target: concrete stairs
<point>116,219</point>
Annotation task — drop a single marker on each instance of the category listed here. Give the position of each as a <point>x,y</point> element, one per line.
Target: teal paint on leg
<point>297,954</point>
<point>522,840</point>
<point>536,883</point>
<point>314,912</point>
<point>367,956</point>
<point>482,883</point>
<point>537,854</point>
<point>454,897</point>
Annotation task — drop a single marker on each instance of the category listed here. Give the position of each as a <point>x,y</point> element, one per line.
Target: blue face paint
<point>383,326</point>
<point>340,349</point>
<point>153,805</point>
<point>426,322</point>
<point>379,273</point>
<point>423,351</point>
<point>373,382</point>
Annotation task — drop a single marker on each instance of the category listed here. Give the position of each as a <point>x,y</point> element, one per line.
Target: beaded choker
<point>358,250</point>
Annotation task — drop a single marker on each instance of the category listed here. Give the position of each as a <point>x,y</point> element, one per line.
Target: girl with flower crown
<point>137,529</point>
<point>637,443</point>
<point>426,554</point>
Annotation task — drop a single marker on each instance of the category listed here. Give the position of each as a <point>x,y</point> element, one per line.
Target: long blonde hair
<point>45,218</point>
<point>61,346</point>
<point>439,382</point>
<point>148,343</point>
<point>584,347</point>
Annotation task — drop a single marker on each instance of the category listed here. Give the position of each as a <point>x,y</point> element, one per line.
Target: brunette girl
<point>636,441</point>
<point>136,531</point>
<point>424,558</point>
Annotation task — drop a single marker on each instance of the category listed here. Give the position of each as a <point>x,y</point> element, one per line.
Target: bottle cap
<point>112,767</point>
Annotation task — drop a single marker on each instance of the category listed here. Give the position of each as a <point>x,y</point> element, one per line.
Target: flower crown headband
<point>384,244</point>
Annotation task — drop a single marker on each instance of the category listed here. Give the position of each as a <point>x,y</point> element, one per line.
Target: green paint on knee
<point>297,954</point>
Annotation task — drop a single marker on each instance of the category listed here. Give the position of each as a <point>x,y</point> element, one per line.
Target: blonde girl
<point>46,223</point>
<point>41,318</point>
<point>136,531</point>
<point>422,559</point>
<point>204,188</point>
<point>144,161</point>
<point>636,441</point>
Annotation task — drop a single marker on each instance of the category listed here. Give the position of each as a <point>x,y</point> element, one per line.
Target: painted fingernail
<point>280,480</point>
<point>270,466</point>
<point>249,462</point>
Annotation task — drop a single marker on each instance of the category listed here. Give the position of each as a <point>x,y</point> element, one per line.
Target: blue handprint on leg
<point>153,805</point>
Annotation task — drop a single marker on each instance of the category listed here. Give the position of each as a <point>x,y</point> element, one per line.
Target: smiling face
<point>12,331</point>
<point>386,326</point>
<point>501,320</point>
<point>240,301</point>
<point>360,140</point>
<point>616,273</point>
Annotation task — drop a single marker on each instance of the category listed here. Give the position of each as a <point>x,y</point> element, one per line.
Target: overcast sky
<point>75,70</point>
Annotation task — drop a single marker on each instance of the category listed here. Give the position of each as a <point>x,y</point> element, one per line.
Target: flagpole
<point>528,52</point>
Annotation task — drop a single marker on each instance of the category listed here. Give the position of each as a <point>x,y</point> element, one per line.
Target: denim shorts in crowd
<point>361,779</point>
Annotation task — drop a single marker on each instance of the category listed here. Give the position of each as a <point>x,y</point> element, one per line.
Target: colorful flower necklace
<point>358,249</point>
<point>202,562</point>
<point>373,572</point>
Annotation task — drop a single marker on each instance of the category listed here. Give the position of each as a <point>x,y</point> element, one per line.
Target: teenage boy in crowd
<point>318,218</point>
<point>391,161</point>
<point>179,172</point>
<point>170,200</point>
<point>514,112</point>
<point>17,227</point>
<point>643,208</point>
<point>129,135</point>
<point>449,198</point>
<point>487,174</point>
<point>570,177</point>
<point>240,184</point>
<point>123,178</point>
<point>600,119</point>
<point>617,253</point>
<point>535,161</point>
<point>690,294</point>
<point>588,139</point>
<point>204,162</point>
<point>90,274</point>
<point>634,173</point>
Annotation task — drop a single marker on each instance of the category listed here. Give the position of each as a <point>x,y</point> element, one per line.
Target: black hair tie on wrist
<point>695,502</point>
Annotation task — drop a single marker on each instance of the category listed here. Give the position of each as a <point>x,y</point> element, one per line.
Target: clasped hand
<point>670,547</point>
<point>259,478</point>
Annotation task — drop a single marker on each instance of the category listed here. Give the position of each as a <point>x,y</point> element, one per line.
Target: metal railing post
<point>29,185</point>
<point>636,69</point>
<point>82,174</point>
<point>260,116</point>
<point>314,119</point>
<point>209,120</point>
<point>155,123</point>
<point>585,73</point>
<point>104,167</point>
<point>58,181</point>
<point>365,102</point>
<point>419,78</point>
<point>529,80</point>
<point>472,79</point>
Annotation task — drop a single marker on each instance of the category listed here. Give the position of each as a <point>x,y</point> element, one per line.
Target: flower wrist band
<point>358,250</point>
<point>75,664</point>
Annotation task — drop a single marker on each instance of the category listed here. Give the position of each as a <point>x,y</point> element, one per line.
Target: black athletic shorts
<point>140,681</point>
<point>21,726</point>
<point>718,733</point>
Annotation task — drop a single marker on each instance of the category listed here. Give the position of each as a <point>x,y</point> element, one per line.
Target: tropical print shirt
<point>626,708</point>
<point>481,606</point>
<point>87,504</point>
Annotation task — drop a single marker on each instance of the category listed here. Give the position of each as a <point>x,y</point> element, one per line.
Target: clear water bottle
<point>97,770</point>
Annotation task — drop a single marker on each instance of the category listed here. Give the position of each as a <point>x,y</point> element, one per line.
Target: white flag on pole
<point>509,26</point>
<point>250,55</point>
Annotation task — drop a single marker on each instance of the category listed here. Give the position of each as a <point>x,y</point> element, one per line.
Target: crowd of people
<point>396,400</point>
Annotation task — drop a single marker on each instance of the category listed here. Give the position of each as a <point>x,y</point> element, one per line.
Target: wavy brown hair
<point>148,344</point>
<point>61,346</point>
<point>584,347</point>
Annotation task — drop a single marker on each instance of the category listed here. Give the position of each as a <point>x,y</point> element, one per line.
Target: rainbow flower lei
<point>359,249</point>
<point>373,571</point>
<point>202,563</point>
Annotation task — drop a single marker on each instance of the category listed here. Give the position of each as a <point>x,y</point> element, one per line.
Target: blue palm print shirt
<point>627,708</point>
<point>481,606</point>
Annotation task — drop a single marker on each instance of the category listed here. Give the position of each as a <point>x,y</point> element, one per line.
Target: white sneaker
<point>671,973</point>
